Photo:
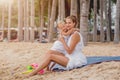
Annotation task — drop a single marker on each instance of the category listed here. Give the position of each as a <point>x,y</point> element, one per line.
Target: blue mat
<point>99,59</point>
<point>95,60</point>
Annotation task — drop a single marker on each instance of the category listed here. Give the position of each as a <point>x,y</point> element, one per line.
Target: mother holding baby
<point>72,56</point>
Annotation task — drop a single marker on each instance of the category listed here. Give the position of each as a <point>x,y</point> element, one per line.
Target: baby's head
<point>61,25</point>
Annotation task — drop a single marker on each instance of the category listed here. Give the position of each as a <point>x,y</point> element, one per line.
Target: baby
<point>64,32</point>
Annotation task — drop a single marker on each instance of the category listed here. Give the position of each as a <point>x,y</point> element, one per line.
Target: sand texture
<point>15,56</point>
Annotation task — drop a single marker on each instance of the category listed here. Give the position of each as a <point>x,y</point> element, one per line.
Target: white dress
<point>76,59</point>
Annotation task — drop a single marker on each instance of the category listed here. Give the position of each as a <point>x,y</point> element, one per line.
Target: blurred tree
<point>26,24</point>
<point>42,5</point>
<point>32,21</point>
<point>117,23</point>
<point>49,15</point>
<point>102,35</point>
<point>61,9</point>
<point>73,8</point>
<point>95,22</point>
<point>52,19</point>
<point>2,24</point>
<point>20,15</point>
<point>107,20</point>
<point>84,20</point>
<point>9,22</point>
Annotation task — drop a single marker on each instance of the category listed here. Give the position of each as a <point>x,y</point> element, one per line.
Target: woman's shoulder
<point>75,36</point>
<point>76,33</point>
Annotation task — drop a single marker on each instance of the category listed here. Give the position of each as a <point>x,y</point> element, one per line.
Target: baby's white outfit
<point>58,45</point>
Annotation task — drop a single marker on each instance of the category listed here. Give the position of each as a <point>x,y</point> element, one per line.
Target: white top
<point>77,58</point>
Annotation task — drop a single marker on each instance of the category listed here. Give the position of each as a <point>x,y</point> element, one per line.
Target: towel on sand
<point>96,60</point>
<point>99,59</point>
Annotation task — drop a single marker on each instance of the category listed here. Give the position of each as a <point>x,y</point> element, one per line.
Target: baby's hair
<point>60,22</point>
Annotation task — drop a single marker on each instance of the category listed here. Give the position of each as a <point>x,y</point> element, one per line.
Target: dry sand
<point>15,56</point>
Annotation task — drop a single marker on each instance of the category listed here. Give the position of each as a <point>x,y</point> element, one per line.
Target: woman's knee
<point>49,55</point>
<point>55,52</point>
<point>50,52</point>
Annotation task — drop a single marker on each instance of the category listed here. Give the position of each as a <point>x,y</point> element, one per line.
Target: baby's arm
<point>68,32</point>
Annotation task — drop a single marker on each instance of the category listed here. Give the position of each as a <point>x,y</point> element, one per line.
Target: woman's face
<point>69,24</point>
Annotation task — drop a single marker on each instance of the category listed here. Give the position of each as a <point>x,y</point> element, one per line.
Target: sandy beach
<point>16,56</point>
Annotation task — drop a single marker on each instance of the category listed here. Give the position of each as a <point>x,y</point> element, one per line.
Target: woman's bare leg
<point>55,52</point>
<point>62,60</point>
<point>49,67</point>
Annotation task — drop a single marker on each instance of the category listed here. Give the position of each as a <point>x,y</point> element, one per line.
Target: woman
<point>73,50</point>
<point>58,46</point>
<point>75,45</point>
